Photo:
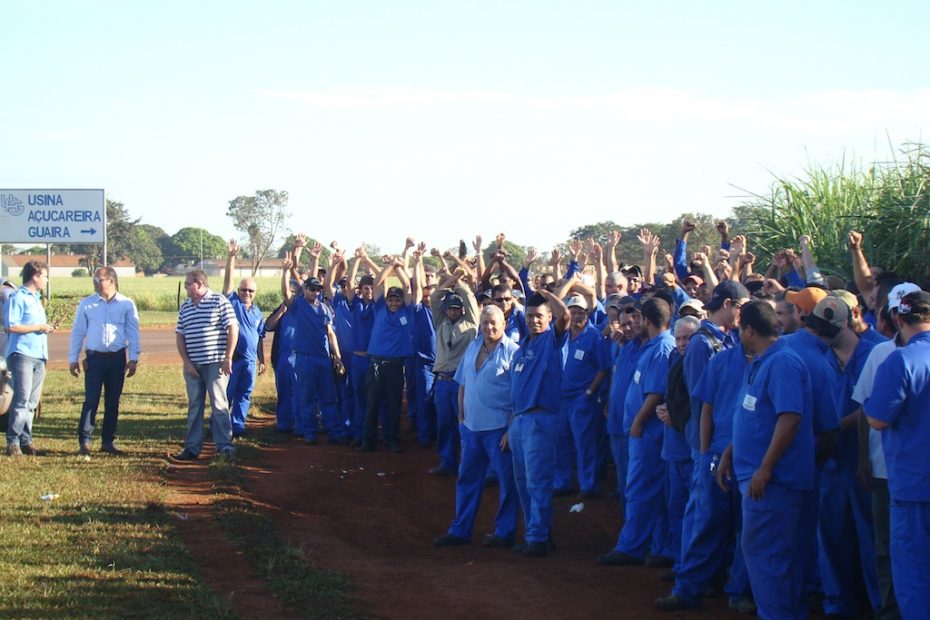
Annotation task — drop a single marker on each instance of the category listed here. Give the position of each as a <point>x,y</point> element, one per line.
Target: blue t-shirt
<point>25,308</point>
<point>719,387</point>
<point>284,336</point>
<point>675,447</point>
<point>363,320</point>
<point>585,356</point>
<point>846,449</point>
<point>536,373</point>
<point>392,334</point>
<point>699,351</point>
<point>621,376</point>
<point>342,323</point>
<point>650,377</point>
<point>901,398</point>
<point>775,383</point>
<point>487,398</point>
<point>310,328</point>
<point>811,350</point>
<point>424,334</point>
<point>251,328</point>
<point>873,336</point>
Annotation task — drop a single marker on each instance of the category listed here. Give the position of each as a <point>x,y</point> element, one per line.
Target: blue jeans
<point>28,375</point>
<point>317,390</point>
<point>239,392</point>
<point>532,442</point>
<point>102,373</point>
<point>209,380</point>
<point>479,450</point>
<point>446,402</point>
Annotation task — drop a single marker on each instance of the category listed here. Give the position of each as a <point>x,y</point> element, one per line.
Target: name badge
<point>515,337</point>
<point>749,403</point>
<point>636,377</point>
<point>579,354</point>
<point>518,367</point>
<point>403,320</point>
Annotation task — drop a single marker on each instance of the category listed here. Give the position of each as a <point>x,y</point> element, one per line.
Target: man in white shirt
<point>106,324</point>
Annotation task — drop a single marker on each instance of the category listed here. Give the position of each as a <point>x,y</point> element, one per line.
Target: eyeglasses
<point>246,290</point>
<point>97,280</point>
<point>501,300</point>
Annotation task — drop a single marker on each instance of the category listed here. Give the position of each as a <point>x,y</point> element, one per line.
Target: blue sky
<point>445,119</point>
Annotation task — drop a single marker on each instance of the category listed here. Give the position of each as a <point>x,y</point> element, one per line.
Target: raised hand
<point>613,238</point>
<point>409,243</point>
<point>232,247</point>
<point>435,252</point>
<point>723,228</point>
<point>575,246</point>
<point>288,261</point>
<point>477,244</point>
<point>500,238</point>
<point>855,240</point>
<point>315,250</point>
<point>555,257</point>
<point>300,240</point>
<point>687,227</point>
<point>531,256</point>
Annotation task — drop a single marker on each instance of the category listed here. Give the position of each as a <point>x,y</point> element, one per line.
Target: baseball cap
<point>833,310</point>
<point>728,289</point>
<point>313,284</point>
<point>898,293</point>
<point>693,304</point>
<point>805,299</point>
<point>915,302</point>
<point>577,301</point>
<point>697,279</point>
<point>395,291</point>
<point>452,300</point>
<point>851,300</point>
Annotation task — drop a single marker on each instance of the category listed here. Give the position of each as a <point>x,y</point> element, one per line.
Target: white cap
<point>695,304</point>
<point>898,293</point>
<point>578,301</point>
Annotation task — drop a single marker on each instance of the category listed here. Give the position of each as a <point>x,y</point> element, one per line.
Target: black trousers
<point>384,383</point>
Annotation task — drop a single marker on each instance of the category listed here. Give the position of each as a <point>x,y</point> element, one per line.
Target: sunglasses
<point>246,290</point>
<point>501,300</point>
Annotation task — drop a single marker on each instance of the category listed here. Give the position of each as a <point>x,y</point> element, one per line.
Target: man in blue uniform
<point>645,509</point>
<point>772,459</point>
<point>483,379</point>
<point>900,407</point>
<point>360,298</point>
<point>249,355</point>
<point>536,371</point>
<point>586,364</point>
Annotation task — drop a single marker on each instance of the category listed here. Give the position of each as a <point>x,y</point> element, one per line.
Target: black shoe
<point>657,561</point>
<point>109,448</point>
<point>668,576</point>
<point>353,442</point>
<point>84,450</point>
<point>493,540</point>
<point>450,540</point>
<point>366,447</point>
<point>310,441</point>
<point>185,455</point>
<point>674,602</point>
<point>491,482</point>
<point>340,441</point>
<point>561,492</point>
<point>618,558</point>
<point>395,448</point>
<point>745,605</point>
<point>535,550</point>
<point>30,450</point>
<point>588,494</point>
<point>439,471</point>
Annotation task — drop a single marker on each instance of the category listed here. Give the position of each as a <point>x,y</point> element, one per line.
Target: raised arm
<point>613,240</point>
<point>561,317</point>
<point>555,261</point>
<point>862,273</point>
<point>337,267</point>
<point>810,266</point>
<point>510,271</point>
<point>286,265</point>
<point>401,274</point>
<point>232,249</point>
<point>479,255</point>
<point>315,251</point>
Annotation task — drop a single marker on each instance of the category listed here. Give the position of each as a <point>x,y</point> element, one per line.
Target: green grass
<point>108,546</point>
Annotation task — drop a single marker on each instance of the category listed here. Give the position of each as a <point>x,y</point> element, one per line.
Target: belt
<point>121,352</point>
<point>444,376</point>
<point>386,360</point>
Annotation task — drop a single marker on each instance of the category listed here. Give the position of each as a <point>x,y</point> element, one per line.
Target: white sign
<point>52,216</point>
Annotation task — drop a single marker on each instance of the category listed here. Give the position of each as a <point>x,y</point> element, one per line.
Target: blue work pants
<point>285,378</point>
<point>423,395</point>
<point>619,450</point>
<point>584,420</point>
<point>446,402</point>
<point>532,442</point>
<point>239,392</point>
<point>910,556</point>
<point>677,482</point>
<point>316,390</point>
<point>645,500</point>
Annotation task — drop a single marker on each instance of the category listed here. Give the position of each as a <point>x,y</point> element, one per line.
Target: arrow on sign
<point>88,231</point>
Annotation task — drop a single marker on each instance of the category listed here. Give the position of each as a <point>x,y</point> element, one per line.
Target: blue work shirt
<point>585,356</point>
<point>650,377</point>
<point>699,351</point>
<point>487,399</point>
<point>811,350</point>
<point>311,336</point>
<point>284,337</point>
<point>901,398</point>
<point>424,333</point>
<point>873,336</point>
<point>342,323</point>
<point>515,325</point>
<point>536,373</point>
<point>25,308</point>
<point>846,449</point>
<point>675,447</point>
<point>719,387</point>
<point>624,363</point>
<point>251,328</point>
<point>363,320</point>
<point>392,334</point>
<point>775,383</point>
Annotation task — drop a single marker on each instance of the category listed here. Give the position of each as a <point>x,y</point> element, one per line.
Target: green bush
<point>80,272</point>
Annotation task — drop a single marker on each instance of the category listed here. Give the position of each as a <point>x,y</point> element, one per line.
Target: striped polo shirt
<point>204,327</point>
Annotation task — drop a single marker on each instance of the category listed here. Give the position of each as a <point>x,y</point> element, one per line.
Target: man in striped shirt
<point>206,336</point>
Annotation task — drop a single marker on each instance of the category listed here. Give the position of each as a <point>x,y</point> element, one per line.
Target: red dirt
<point>378,530</point>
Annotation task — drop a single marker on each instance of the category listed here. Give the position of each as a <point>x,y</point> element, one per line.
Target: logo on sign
<point>11,204</point>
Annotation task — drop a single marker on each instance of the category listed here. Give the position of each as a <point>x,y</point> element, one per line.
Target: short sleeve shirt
<point>585,356</point>
<point>487,399</point>
<point>536,373</point>
<point>204,326</point>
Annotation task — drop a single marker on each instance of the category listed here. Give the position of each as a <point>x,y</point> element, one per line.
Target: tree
<point>119,238</point>
<point>260,218</point>
<point>288,246</point>
<point>184,246</point>
<point>144,251</point>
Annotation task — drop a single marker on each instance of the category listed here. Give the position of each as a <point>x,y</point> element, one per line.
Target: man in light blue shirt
<point>26,353</point>
<point>106,324</point>
<point>485,405</point>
